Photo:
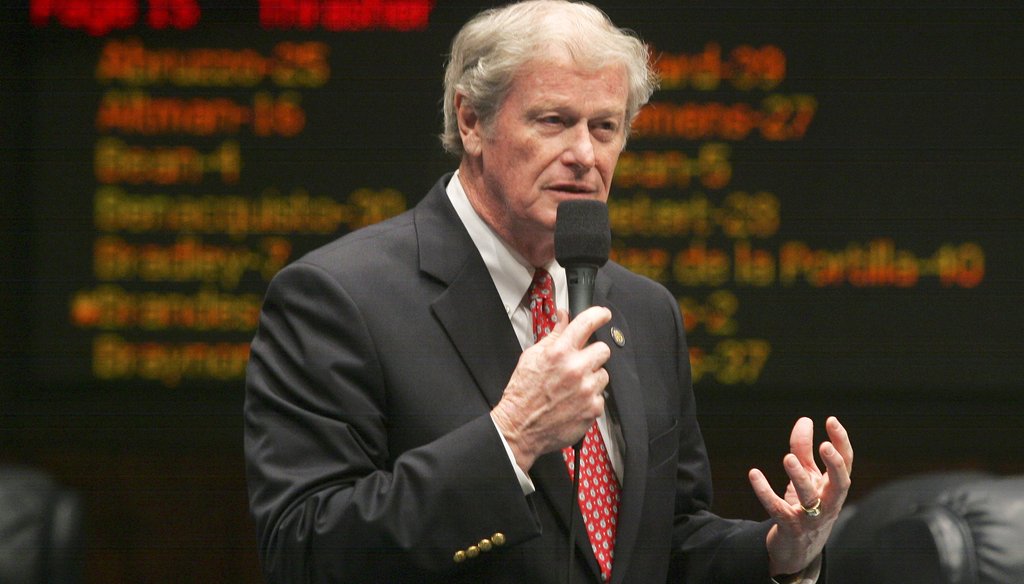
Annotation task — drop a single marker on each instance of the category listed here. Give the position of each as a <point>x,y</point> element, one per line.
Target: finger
<point>579,331</point>
<point>596,383</point>
<point>841,441</point>
<point>801,442</point>
<point>775,506</point>
<point>596,355</point>
<point>835,465</point>
<point>803,483</point>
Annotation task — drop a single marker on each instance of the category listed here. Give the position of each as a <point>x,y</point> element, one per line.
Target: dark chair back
<point>947,528</point>
<point>40,529</point>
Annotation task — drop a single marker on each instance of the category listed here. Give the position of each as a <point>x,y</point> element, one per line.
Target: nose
<point>579,149</point>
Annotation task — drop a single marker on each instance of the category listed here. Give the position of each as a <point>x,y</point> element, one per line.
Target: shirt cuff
<point>525,482</point>
<point>808,575</point>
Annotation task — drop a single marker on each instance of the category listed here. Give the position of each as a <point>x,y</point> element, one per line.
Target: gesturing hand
<point>805,516</point>
<point>556,391</point>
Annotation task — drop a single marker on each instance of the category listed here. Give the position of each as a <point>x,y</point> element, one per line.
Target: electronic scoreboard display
<point>833,193</point>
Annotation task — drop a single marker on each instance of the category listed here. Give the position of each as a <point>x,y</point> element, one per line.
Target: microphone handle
<point>581,278</point>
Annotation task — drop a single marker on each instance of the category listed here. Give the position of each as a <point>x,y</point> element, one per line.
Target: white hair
<point>490,49</point>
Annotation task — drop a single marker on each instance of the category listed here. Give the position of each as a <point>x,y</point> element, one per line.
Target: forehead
<point>561,81</point>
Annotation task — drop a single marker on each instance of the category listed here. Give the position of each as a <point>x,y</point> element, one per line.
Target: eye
<point>606,128</point>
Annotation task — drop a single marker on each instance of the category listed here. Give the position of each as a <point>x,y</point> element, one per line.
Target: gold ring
<point>814,510</point>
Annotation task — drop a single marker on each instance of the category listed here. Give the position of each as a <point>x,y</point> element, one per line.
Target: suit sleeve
<point>707,548</point>
<point>330,501</point>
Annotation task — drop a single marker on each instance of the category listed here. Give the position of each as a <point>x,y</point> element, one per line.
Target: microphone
<point>582,242</point>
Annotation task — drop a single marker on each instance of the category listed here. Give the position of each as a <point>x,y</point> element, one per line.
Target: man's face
<point>557,136</point>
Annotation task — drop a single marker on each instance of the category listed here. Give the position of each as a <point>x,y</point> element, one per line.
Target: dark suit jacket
<point>372,457</point>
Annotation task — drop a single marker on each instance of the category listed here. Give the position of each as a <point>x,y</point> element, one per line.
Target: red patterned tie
<point>599,489</point>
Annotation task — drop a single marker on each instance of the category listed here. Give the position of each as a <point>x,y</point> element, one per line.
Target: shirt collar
<point>511,273</point>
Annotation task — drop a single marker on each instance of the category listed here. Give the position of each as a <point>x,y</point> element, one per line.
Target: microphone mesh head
<point>582,234</point>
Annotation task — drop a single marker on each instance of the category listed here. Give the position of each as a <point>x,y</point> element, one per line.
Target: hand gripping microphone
<point>582,243</point>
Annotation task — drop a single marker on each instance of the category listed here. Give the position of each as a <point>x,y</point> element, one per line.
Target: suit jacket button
<point>498,539</point>
<point>460,556</point>
<point>472,551</point>
<point>484,545</point>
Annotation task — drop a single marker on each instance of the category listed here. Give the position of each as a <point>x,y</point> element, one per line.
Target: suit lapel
<point>626,406</point>
<point>469,309</point>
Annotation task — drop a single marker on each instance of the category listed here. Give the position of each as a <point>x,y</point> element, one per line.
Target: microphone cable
<point>574,507</point>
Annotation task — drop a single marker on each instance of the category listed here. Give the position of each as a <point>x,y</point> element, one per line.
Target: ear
<point>470,126</point>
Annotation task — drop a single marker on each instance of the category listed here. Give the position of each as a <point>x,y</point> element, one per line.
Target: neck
<point>537,246</point>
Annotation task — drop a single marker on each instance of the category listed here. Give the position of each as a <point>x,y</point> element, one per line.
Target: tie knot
<point>542,284</point>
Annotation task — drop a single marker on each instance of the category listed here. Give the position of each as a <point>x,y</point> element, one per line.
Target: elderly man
<point>414,386</point>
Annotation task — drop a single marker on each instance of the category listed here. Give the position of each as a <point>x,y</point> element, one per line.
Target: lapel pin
<point>618,337</point>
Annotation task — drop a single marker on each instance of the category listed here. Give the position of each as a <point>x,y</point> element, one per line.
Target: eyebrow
<point>569,109</point>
